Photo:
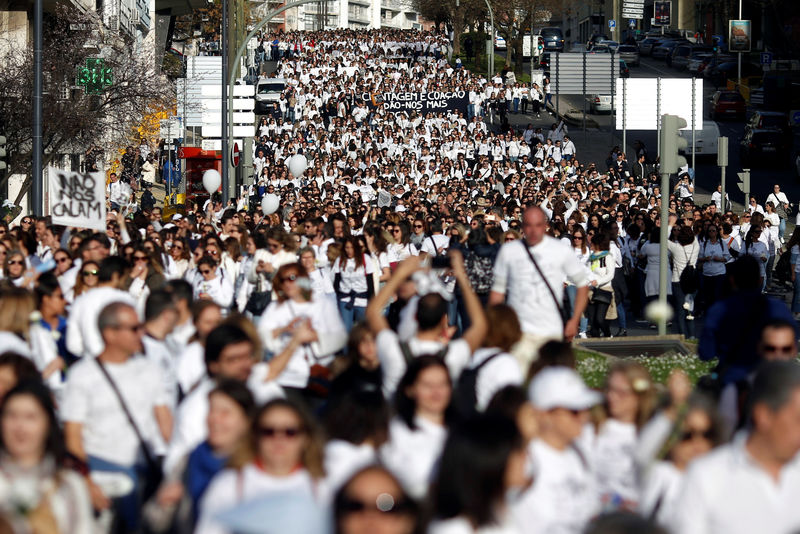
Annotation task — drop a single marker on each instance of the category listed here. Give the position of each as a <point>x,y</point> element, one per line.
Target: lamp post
<point>490,55</point>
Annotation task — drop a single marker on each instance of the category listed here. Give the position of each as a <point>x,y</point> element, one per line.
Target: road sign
<point>235,154</point>
<point>171,128</point>
<point>795,118</point>
<point>632,23</point>
<point>766,58</point>
<point>633,15</point>
<point>612,24</point>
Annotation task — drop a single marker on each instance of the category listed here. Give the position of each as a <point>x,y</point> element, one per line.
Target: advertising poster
<point>739,36</point>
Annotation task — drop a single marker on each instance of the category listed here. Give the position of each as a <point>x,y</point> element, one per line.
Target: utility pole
<point>225,90</point>
<point>722,163</point>
<point>37,185</point>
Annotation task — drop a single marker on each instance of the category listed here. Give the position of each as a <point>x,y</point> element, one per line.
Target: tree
<point>513,18</point>
<point>74,122</point>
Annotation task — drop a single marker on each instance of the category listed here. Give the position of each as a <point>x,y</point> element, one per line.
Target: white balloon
<point>211,180</point>
<point>270,203</point>
<point>297,165</point>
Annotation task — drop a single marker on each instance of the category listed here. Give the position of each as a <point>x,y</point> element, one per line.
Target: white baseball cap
<point>561,387</point>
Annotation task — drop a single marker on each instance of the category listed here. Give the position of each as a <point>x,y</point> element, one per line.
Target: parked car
<point>706,141</point>
<point>764,147</point>
<point>680,56</point>
<point>599,103</point>
<point>600,48</point>
<point>712,61</point>
<point>727,104</point>
<point>595,39</point>
<point>664,50</point>
<point>762,120</point>
<point>693,64</point>
<point>729,71</point>
<point>268,92</point>
<point>612,45</point>
<point>630,54</point>
<point>647,45</point>
<point>553,39</point>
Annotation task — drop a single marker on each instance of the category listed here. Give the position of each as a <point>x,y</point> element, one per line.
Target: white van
<point>706,140</point>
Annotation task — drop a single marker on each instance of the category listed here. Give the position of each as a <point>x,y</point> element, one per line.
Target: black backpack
<point>465,397</point>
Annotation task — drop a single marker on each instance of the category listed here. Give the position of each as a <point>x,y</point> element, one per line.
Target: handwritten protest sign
<point>422,103</point>
<point>77,199</point>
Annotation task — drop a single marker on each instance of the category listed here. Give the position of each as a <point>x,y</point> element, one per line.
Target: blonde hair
<point>16,306</point>
<point>642,385</point>
<point>312,455</point>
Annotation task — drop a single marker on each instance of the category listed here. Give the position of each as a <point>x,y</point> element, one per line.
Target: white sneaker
<point>582,335</point>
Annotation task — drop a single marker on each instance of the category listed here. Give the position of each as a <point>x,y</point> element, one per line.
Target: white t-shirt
<point>612,449</point>
<point>354,278</point>
<point>503,370</point>
<point>461,525</point>
<point>563,496</point>
<point>441,242</point>
<point>83,337</point>
<point>517,278</point>
<point>90,400</point>
<point>412,454</point>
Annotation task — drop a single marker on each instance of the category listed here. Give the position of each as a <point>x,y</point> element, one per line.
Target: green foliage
<point>593,367</point>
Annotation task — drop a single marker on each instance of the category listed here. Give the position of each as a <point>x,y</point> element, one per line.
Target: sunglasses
<point>271,432</point>
<point>89,273</point>
<point>16,262</point>
<point>62,259</point>
<point>787,349</point>
<point>26,221</point>
<point>131,328</point>
<point>212,252</point>
<point>688,435</point>
<point>290,278</point>
<point>417,226</point>
<point>140,258</point>
<point>385,504</point>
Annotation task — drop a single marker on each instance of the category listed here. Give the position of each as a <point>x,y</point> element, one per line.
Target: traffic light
<point>744,181</point>
<point>672,143</point>
<point>3,164</point>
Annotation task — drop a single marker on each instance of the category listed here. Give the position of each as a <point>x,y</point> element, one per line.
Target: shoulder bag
<point>563,311</point>
<point>154,473</point>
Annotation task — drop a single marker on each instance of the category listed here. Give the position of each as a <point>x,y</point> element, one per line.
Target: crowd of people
<point>389,351</point>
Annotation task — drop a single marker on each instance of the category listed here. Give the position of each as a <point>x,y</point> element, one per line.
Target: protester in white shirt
<point>752,483</point>
<point>102,393</point>
<point>537,301</point>
<point>563,496</point>
<point>213,283</point>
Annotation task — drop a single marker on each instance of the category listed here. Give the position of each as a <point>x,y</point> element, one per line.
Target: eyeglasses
<point>786,349</point>
<point>62,259</point>
<point>131,328</point>
<point>385,504</point>
<point>140,258</point>
<point>26,221</point>
<point>289,278</point>
<point>577,237</point>
<point>271,432</point>
<point>89,273</point>
<point>16,262</point>
<point>690,434</point>
<point>417,226</point>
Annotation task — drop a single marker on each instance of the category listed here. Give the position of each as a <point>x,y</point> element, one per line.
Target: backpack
<point>409,357</point>
<point>465,396</point>
<point>480,271</point>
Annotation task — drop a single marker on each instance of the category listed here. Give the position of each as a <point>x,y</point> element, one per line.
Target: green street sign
<point>95,76</point>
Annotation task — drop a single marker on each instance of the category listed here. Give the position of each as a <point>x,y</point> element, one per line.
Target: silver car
<point>630,54</point>
<point>268,92</point>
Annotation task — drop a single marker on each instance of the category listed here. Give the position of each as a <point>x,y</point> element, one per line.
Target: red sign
<point>235,154</point>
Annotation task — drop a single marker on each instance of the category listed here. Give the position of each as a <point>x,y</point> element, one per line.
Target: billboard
<point>739,36</point>
<point>638,110</point>
<point>662,13</point>
<point>419,102</point>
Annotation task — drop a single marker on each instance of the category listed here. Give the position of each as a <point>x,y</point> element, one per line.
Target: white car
<point>599,103</point>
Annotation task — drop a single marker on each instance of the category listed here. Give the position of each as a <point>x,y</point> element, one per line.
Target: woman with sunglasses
<point>283,454</point>
<point>418,432</point>
<point>147,274</point>
<point>37,490</point>
<point>266,263</point>
<point>86,279</point>
<point>296,302</point>
<point>690,427</point>
<point>181,256</point>
<point>15,270</point>
<point>213,283</point>
<point>579,244</point>
<point>372,502</point>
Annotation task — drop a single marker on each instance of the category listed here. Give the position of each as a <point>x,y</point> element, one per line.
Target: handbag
<point>257,302</point>
<point>602,296</point>
<point>155,473</point>
<point>688,278</point>
<point>562,310</point>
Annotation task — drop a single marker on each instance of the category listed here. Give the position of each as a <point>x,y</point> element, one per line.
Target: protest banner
<point>409,102</point>
<point>78,199</point>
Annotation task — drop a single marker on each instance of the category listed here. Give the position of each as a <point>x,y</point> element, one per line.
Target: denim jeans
<point>516,105</point>
<point>572,293</point>
<point>684,326</point>
<point>782,228</point>
<point>351,315</point>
